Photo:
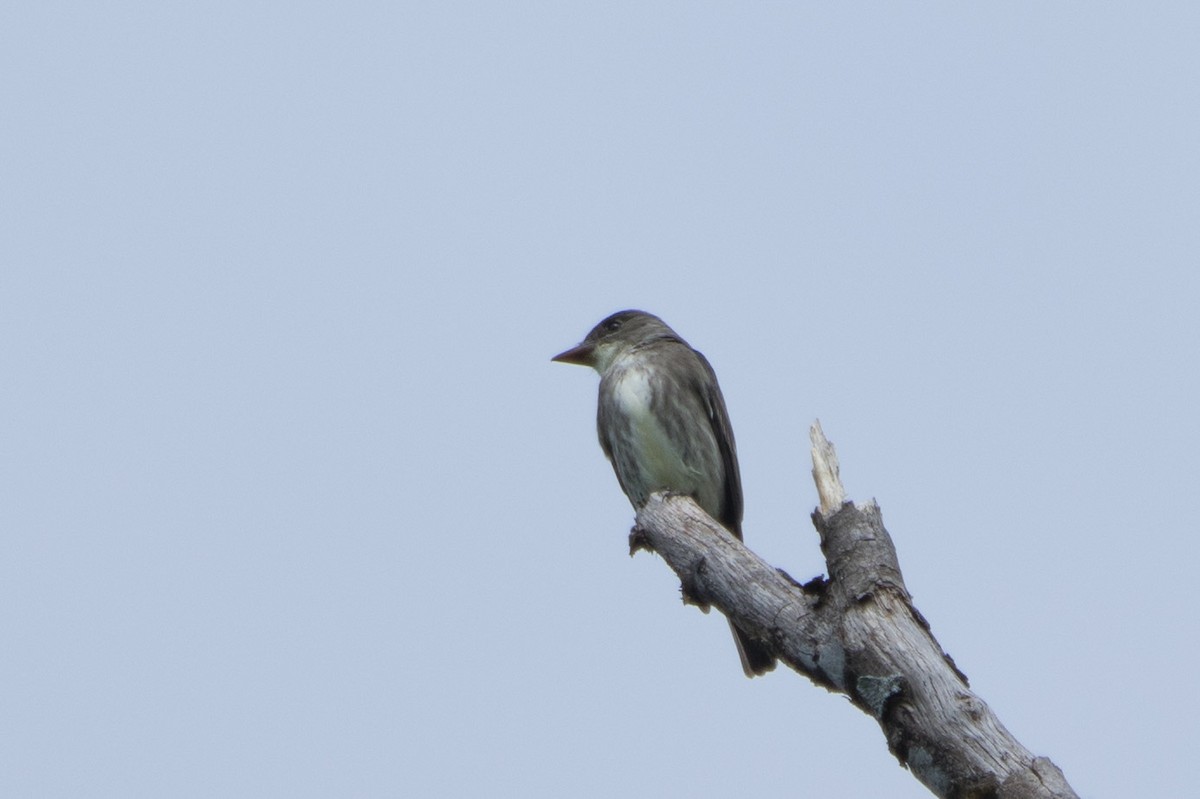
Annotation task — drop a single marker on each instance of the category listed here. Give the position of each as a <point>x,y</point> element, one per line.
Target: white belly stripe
<point>659,458</point>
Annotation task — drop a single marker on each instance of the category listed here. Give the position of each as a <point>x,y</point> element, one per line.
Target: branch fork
<point>857,633</point>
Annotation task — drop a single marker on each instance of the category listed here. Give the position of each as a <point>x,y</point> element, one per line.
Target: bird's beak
<point>581,355</point>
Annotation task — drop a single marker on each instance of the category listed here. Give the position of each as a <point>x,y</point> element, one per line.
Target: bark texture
<point>856,632</point>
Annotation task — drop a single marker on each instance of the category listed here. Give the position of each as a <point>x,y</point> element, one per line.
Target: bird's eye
<point>613,324</point>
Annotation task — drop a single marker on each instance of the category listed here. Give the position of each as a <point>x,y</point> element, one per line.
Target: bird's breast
<point>652,450</point>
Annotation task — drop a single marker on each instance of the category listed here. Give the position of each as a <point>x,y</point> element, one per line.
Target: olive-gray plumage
<point>662,423</point>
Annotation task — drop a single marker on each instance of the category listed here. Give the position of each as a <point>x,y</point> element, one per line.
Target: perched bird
<point>663,424</point>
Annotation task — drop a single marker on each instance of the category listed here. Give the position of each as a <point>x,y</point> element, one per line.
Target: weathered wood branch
<point>856,633</point>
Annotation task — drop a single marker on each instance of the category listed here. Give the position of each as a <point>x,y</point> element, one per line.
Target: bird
<point>662,423</point>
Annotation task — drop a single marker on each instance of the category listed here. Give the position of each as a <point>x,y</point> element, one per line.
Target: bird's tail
<point>756,658</point>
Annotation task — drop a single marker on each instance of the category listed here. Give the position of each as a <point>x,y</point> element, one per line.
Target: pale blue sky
<point>294,503</point>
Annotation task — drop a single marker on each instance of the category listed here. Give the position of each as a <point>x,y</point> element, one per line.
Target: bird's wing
<point>722,430</point>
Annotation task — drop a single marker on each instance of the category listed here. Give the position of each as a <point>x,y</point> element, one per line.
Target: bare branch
<point>856,633</point>
<point>826,473</point>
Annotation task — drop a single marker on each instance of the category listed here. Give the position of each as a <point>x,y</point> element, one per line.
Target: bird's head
<point>614,336</point>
